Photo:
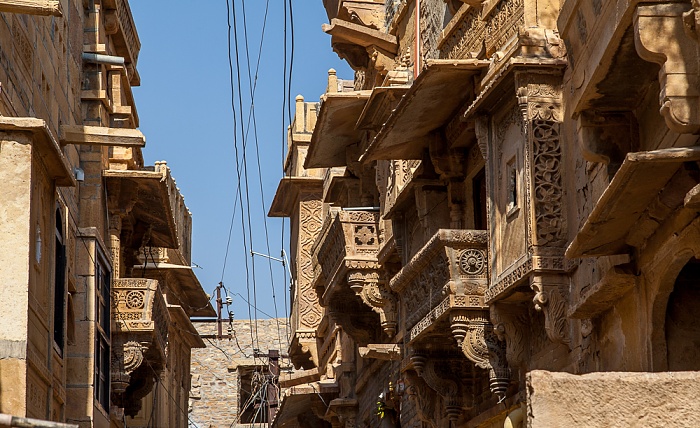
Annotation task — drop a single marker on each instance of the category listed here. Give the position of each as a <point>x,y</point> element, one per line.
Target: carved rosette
<point>374,293</point>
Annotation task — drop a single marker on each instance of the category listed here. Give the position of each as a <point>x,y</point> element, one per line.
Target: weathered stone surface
<point>612,399</point>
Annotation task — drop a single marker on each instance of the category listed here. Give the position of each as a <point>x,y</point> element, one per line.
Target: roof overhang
<point>150,194</point>
<point>284,203</point>
<point>188,286</point>
<point>335,128</point>
<point>45,145</point>
<point>191,335</point>
<point>438,92</point>
<point>355,34</point>
<point>635,185</point>
<point>379,106</point>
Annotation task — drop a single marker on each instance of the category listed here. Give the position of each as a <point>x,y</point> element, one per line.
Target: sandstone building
<point>229,377</point>
<point>97,289</point>
<point>495,223</point>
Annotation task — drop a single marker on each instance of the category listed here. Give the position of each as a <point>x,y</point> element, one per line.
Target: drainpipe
<point>103,59</point>
<point>416,63</point>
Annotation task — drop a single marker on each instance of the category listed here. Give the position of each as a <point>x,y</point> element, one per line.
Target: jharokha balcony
<point>138,341</point>
<point>347,268</point>
<point>442,302</point>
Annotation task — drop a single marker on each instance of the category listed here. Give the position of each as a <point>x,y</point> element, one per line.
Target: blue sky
<point>184,107</point>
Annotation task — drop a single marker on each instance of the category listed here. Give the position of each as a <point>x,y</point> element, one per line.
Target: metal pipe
<point>361,209</point>
<point>103,59</point>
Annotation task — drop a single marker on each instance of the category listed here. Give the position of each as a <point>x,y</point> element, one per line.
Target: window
<point>59,306</point>
<point>512,186</point>
<point>479,200</point>
<point>102,332</point>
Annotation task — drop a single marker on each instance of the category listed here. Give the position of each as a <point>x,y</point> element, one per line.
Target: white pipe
<point>103,59</point>
<point>19,422</point>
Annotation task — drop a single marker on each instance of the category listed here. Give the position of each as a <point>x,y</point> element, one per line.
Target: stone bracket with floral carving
<point>374,292</point>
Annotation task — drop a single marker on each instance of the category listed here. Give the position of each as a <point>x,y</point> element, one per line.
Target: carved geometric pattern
<point>309,227</point>
<point>472,262</point>
<point>467,39</point>
<point>365,235</point>
<point>503,25</point>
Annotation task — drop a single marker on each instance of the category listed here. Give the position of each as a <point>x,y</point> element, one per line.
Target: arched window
<point>59,313</point>
<point>682,325</point>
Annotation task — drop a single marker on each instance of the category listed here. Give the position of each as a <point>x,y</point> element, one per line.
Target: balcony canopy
<point>430,103</point>
<point>335,128</point>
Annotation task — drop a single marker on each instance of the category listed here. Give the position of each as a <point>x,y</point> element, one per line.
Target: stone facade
<point>223,372</point>
<point>508,198</point>
<point>97,288</point>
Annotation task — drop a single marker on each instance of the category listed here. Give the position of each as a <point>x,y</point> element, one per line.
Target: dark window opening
<point>102,333</point>
<point>59,284</point>
<point>682,326</point>
<point>479,200</point>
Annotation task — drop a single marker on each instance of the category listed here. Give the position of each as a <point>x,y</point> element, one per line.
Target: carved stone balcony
<point>120,23</point>
<point>442,296</point>
<point>139,340</point>
<point>346,255</point>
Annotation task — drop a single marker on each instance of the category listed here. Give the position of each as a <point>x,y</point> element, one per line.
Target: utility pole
<point>273,366</point>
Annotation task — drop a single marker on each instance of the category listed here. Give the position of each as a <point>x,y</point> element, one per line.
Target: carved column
<point>539,100</point>
<point>374,293</point>
<point>115,230</point>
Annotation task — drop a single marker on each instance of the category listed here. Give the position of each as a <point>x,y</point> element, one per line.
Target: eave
<point>428,105</point>
<point>188,287</point>
<point>379,106</point>
<point>335,128</point>
<point>285,200</point>
<point>635,185</point>
<point>45,145</point>
<point>151,199</point>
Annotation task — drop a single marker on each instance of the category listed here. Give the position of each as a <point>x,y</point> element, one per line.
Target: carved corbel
<point>374,293</point>
<point>381,60</point>
<point>667,34</point>
<point>449,163</point>
<point>481,128</point>
<point>550,301</point>
<point>509,326</point>
<point>423,398</point>
<point>442,380</point>
<point>480,345</point>
<point>126,357</point>
<point>607,137</point>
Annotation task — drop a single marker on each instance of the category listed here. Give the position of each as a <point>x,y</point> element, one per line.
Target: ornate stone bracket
<point>549,300</point>
<point>667,34</point>
<point>509,326</point>
<point>423,398</point>
<point>438,376</point>
<point>126,357</point>
<point>374,293</point>
<point>476,337</point>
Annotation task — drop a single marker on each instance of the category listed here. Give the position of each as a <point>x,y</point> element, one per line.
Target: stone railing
<point>442,288</point>
<point>348,240</point>
<point>453,264</point>
<point>346,263</point>
<point>128,30</point>
<point>181,214</point>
